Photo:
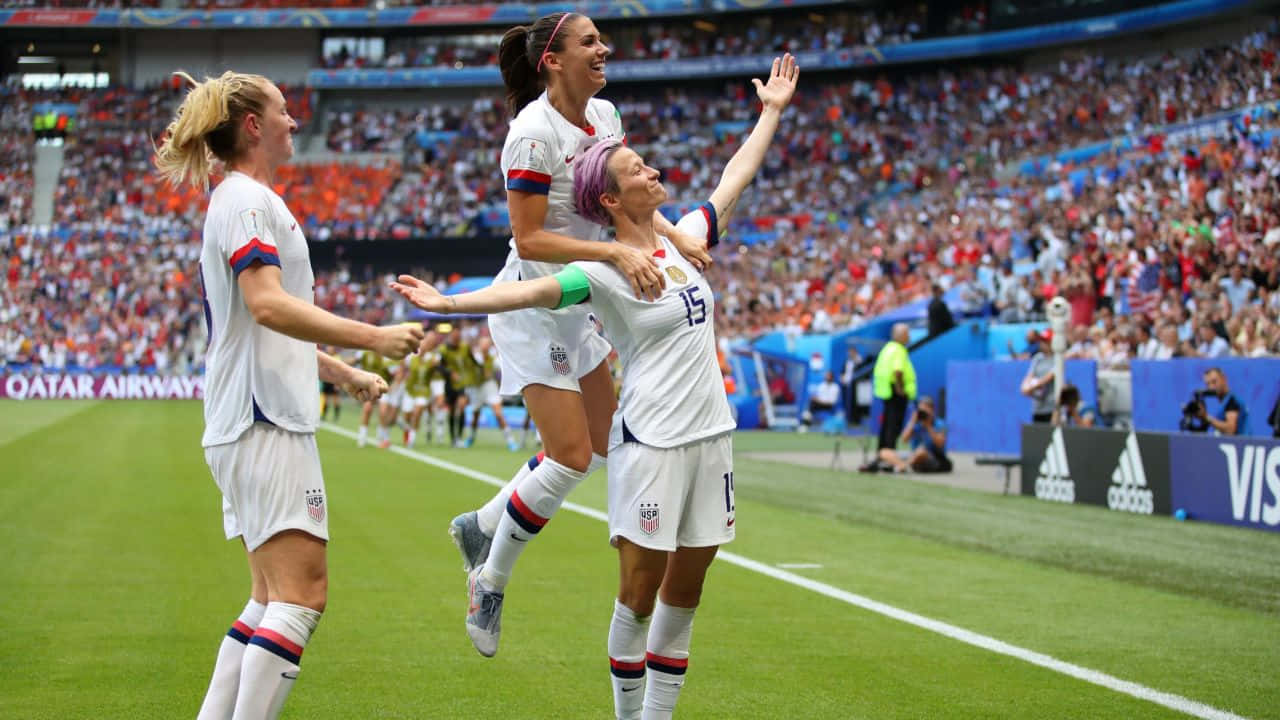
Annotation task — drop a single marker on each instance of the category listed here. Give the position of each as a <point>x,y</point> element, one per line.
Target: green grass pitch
<point>116,588</point>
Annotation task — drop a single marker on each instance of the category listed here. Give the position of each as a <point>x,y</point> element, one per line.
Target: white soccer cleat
<point>484,614</point>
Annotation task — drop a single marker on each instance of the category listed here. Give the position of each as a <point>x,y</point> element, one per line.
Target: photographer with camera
<point>928,435</point>
<point>1213,408</point>
<point>1069,413</point>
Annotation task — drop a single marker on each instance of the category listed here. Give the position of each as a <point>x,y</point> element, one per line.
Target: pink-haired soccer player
<point>670,447</point>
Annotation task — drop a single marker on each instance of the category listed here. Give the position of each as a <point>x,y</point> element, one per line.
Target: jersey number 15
<point>695,308</point>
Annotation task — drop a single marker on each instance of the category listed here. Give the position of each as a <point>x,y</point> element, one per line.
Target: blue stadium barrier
<point>1162,387</point>
<point>986,409</point>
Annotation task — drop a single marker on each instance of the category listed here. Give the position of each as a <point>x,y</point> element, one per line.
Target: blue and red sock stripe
<point>254,250</point>
<point>274,642</point>
<point>536,460</point>
<point>531,521</point>
<point>668,665</point>
<point>240,632</point>
<point>530,181</point>
<point>626,670</point>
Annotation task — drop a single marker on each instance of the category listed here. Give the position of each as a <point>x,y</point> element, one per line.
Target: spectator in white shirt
<point>825,398</point>
<point>1211,343</point>
<point>1239,289</point>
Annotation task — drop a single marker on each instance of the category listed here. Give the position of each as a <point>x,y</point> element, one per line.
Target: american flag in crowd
<point>1144,288</point>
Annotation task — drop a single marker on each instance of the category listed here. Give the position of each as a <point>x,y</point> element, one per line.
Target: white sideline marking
<point>1142,692</point>
<point>800,566</point>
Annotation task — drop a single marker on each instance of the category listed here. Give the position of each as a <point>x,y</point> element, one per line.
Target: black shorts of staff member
<point>892,421</point>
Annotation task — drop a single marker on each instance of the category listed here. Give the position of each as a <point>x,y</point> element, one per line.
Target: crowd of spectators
<point>819,29</point>
<point>875,190</point>
<point>17,154</point>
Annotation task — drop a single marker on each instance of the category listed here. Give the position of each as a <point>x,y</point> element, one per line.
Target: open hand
<point>422,294</point>
<point>777,92</point>
<point>694,249</point>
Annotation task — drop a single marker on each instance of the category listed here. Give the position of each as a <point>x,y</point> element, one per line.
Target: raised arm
<point>742,167</point>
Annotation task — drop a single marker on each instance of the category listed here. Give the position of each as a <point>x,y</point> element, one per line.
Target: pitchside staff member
<point>895,383</point>
<point>1216,408</point>
<point>1038,383</point>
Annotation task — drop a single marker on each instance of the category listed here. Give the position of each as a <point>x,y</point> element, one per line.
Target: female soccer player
<point>262,366</point>
<point>671,460</point>
<point>551,69</point>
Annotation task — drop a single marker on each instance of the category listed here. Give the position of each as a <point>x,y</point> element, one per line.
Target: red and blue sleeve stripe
<point>529,181</point>
<point>713,232</point>
<point>254,251</point>
<point>277,644</point>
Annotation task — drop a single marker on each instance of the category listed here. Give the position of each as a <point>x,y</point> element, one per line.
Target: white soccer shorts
<point>437,388</point>
<point>484,394</point>
<point>271,481</point>
<point>665,498</point>
<point>538,346</point>
<point>395,398</point>
<point>412,402</point>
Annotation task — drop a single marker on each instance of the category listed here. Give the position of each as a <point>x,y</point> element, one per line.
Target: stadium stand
<point>878,187</point>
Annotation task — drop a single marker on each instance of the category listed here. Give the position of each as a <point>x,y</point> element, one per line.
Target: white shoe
<point>484,614</point>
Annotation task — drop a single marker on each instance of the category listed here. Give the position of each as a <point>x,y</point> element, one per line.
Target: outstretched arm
<point>502,297</point>
<point>742,167</point>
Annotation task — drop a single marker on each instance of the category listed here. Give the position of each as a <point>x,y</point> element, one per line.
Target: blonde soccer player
<point>262,365</point>
<point>671,495</point>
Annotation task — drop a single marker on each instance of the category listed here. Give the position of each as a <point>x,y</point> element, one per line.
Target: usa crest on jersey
<point>315,505</point>
<point>649,518</point>
<point>560,359</point>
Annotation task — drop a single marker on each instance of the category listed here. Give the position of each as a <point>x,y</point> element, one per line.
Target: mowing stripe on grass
<point>1142,692</point>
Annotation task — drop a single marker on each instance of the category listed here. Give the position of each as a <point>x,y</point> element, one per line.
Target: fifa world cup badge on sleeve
<point>315,505</point>
<point>560,359</point>
<point>649,518</point>
<point>252,223</point>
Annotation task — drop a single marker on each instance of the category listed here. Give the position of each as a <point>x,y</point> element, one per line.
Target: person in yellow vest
<point>894,381</point>
<point>370,361</point>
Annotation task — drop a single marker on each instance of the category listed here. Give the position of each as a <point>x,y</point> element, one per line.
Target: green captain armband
<point>574,286</point>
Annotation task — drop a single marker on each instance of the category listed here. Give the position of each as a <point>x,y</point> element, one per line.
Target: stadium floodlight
<point>36,60</point>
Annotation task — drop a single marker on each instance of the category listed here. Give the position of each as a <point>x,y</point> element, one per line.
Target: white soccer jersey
<point>252,372</point>
<point>672,390</point>
<point>538,158</point>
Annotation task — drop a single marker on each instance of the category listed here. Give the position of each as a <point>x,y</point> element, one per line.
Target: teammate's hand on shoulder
<point>641,271</point>
<point>396,341</point>
<point>421,294</point>
<point>777,92</point>
<point>365,386</point>
<point>694,249</point>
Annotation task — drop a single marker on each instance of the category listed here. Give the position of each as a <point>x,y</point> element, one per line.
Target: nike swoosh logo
<point>730,523</point>
<point>287,676</point>
<point>517,538</point>
<point>293,226</point>
<point>630,689</point>
<point>568,160</point>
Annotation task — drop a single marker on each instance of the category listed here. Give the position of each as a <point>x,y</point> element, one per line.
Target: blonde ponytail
<point>205,126</point>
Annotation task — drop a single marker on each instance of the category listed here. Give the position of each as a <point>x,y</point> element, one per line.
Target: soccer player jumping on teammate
<point>670,450</point>
<point>260,404</point>
<point>552,70</point>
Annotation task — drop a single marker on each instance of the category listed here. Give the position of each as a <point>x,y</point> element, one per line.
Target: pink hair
<point>591,179</point>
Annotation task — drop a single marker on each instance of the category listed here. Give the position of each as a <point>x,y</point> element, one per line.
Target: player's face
<point>639,191</point>
<point>277,126</point>
<point>584,53</point>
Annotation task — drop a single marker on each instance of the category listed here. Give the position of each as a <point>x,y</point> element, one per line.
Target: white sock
<point>597,461</point>
<point>489,515</point>
<point>220,700</point>
<point>363,435</point>
<point>667,659</point>
<point>382,433</point>
<point>439,417</point>
<point>409,440</point>
<point>532,504</point>
<point>506,433</point>
<point>627,634</point>
<point>270,665</point>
